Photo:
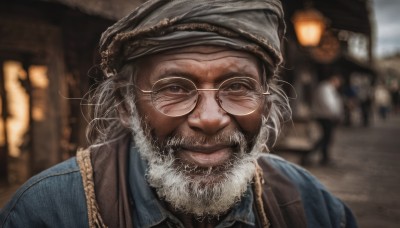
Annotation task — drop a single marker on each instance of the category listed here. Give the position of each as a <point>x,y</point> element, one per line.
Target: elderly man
<point>189,104</point>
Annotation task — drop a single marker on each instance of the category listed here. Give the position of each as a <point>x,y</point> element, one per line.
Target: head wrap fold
<point>255,26</point>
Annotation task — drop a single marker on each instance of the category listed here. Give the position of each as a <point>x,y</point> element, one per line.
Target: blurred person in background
<point>395,95</point>
<point>364,93</point>
<point>328,112</point>
<point>350,104</point>
<point>189,105</point>
<point>382,100</point>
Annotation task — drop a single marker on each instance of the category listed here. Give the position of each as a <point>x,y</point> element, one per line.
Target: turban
<point>255,26</point>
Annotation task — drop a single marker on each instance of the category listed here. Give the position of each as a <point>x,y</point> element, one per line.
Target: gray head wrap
<point>254,26</point>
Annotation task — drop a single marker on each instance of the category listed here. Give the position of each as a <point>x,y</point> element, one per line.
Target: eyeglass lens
<point>177,96</point>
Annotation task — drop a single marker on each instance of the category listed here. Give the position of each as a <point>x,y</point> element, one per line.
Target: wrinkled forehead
<point>203,59</point>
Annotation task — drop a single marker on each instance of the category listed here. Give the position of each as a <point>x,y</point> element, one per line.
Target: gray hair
<point>116,96</point>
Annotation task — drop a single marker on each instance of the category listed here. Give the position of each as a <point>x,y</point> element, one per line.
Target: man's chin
<point>207,180</point>
<point>202,192</point>
<point>203,174</point>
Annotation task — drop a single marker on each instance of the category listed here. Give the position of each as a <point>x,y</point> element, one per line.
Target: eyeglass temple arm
<point>144,91</point>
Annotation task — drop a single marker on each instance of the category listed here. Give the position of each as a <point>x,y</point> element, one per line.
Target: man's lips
<point>205,155</point>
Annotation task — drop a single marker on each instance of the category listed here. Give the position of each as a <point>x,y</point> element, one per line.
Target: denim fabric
<point>321,207</point>
<point>55,198</point>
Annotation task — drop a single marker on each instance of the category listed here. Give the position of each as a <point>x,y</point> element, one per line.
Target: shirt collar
<point>243,210</point>
<point>150,211</point>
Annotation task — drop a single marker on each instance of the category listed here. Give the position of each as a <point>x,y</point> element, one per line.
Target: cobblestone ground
<point>365,172</point>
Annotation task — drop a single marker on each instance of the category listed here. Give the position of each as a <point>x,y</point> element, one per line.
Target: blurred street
<point>365,172</point>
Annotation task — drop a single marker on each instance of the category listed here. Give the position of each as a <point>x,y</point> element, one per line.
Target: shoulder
<point>298,175</point>
<point>57,178</point>
<point>47,198</point>
<point>307,185</point>
<point>322,208</point>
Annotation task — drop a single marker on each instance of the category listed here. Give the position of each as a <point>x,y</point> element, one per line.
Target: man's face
<point>202,162</point>
<point>207,67</point>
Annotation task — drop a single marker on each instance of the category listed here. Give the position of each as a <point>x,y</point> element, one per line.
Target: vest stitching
<point>86,169</point>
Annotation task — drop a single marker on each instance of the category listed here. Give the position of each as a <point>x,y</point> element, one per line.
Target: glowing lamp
<point>309,25</point>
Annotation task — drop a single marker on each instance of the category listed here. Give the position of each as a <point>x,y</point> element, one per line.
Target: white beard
<point>202,193</point>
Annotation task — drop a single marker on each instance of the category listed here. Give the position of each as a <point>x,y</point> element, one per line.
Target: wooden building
<point>48,58</point>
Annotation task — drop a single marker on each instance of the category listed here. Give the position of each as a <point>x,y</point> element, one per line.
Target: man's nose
<point>208,116</point>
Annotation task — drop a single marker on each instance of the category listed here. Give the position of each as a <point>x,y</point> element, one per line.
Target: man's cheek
<point>162,128</point>
<point>250,125</point>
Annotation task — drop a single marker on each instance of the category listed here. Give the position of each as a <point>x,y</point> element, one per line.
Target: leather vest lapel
<point>111,185</point>
<point>281,199</point>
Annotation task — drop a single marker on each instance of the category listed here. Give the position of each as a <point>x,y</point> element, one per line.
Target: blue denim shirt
<point>55,198</point>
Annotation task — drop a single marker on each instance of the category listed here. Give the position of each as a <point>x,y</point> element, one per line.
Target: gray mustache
<point>235,138</point>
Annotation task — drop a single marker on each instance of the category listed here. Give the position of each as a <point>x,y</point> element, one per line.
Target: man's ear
<point>124,115</point>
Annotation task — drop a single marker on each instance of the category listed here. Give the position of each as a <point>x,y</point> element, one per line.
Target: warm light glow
<point>18,106</point>
<point>2,139</point>
<point>38,76</point>
<point>328,49</point>
<point>39,82</point>
<point>18,102</point>
<point>309,26</point>
<point>37,113</point>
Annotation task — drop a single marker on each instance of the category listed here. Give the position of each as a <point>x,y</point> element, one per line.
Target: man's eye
<point>173,89</point>
<point>238,87</point>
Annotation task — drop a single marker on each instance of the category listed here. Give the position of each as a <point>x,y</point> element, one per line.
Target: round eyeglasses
<point>177,96</point>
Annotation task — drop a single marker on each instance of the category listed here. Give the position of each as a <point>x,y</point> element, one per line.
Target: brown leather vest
<point>104,172</point>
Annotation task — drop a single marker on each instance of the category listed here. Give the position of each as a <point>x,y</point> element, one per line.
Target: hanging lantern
<point>309,25</point>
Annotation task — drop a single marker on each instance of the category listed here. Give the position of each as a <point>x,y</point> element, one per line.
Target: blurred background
<point>342,67</point>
